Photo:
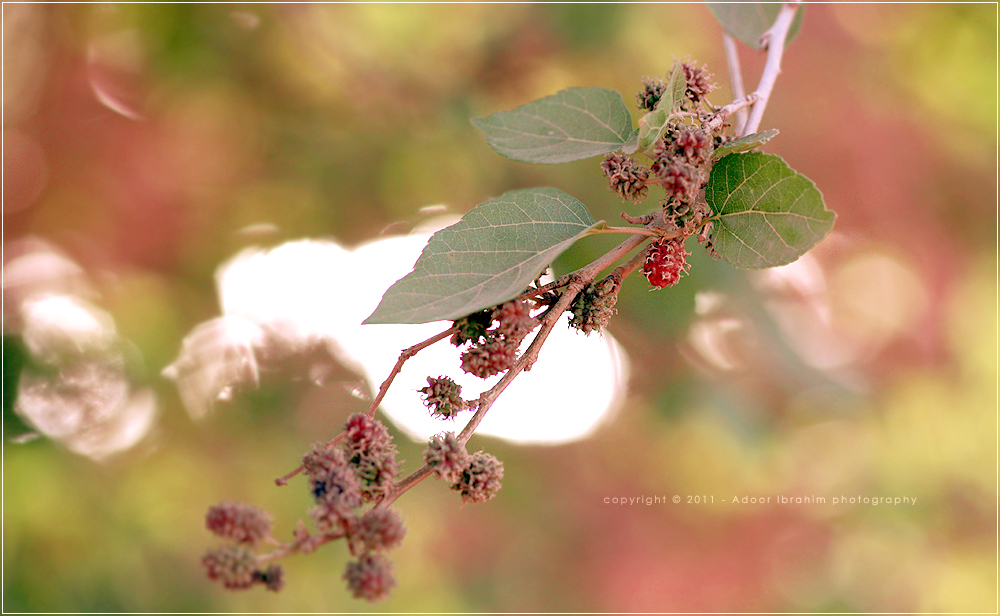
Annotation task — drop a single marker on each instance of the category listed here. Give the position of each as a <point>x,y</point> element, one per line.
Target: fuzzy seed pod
<point>594,306</point>
<point>480,481</point>
<point>694,144</point>
<point>665,262</point>
<point>652,91</point>
<point>698,83</point>
<point>322,458</point>
<point>244,523</point>
<point>443,397</point>
<point>472,327</point>
<point>446,456</point>
<point>372,454</point>
<point>233,567</point>
<point>681,180</point>
<point>370,577</point>
<point>381,529</point>
<point>337,494</point>
<point>493,357</point>
<point>515,322</point>
<point>626,177</point>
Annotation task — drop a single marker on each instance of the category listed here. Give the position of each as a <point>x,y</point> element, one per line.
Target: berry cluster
<point>681,162</point>
<point>495,350</point>
<point>342,478</point>
<point>594,306</point>
<point>477,476</point>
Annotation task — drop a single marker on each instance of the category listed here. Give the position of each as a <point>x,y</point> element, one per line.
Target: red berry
<point>665,262</point>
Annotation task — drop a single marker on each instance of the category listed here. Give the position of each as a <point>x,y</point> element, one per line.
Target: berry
<point>681,180</point>
<point>694,144</point>
<point>244,523</point>
<point>443,397</point>
<point>336,498</point>
<point>492,357</point>
<point>372,454</point>
<point>625,176</point>
<point>370,577</point>
<point>447,456</point>
<point>381,529</point>
<point>515,320</point>
<point>594,306</point>
<point>472,327</point>
<point>698,84</point>
<point>480,481</point>
<point>322,459</point>
<point>665,262</point>
<point>652,91</point>
<point>233,567</point>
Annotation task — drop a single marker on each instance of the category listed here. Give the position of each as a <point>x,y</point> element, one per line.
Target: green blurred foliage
<point>265,123</point>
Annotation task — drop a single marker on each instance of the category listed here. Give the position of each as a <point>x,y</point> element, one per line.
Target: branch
<point>580,279</point>
<point>405,355</point>
<point>735,78</point>
<point>774,41</point>
<point>737,105</point>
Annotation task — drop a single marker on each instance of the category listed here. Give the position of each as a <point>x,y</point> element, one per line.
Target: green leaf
<point>652,125</point>
<point>676,88</point>
<point>488,257</point>
<point>766,213</point>
<point>748,21</point>
<point>570,125</point>
<point>745,144</point>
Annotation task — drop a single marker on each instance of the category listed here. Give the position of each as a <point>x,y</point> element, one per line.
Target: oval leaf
<point>673,96</point>
<point>652,124</point>
<point>488,257</point>
<point>744,144</point>
<point>766,213</point>
<point>748,21</point>
<point>570,125</point>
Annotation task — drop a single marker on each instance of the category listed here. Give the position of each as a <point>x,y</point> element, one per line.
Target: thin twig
<point>382,390</point>
<point>405,355</point>
<point>625,269</point>
<point>774,41</point>
<point>723,113</point>
<point>735,78</point>
<point>630,230</point>
<point>562,281</point>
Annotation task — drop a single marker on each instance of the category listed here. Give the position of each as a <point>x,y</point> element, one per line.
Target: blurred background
<point>148,145</point>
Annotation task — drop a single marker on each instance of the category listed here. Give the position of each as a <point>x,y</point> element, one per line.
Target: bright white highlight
<point>311,289</point>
